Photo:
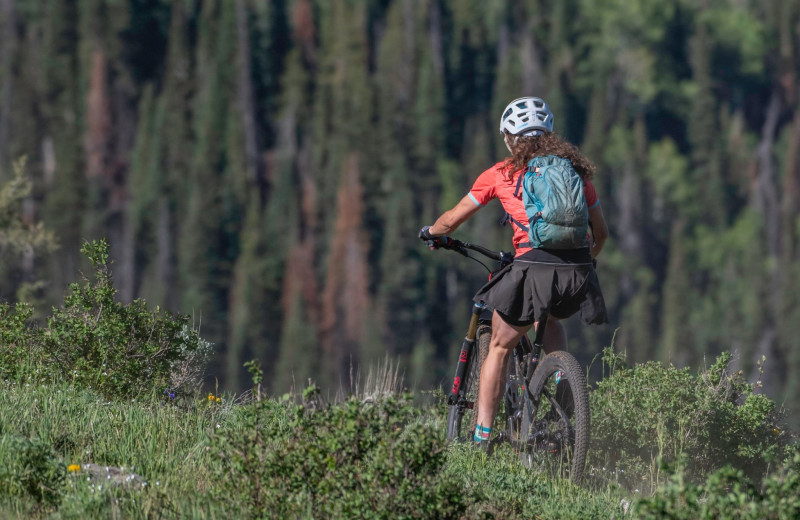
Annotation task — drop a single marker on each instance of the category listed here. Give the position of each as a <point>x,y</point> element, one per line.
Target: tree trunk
<point>164,256</point>
<point>437,45</point>
<point>532,72</point>
<point>767,202</point>
<point>8,44</point>
<point>255,170</point>
<point>345,298</point>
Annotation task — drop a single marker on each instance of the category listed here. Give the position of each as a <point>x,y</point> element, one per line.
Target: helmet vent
<point>522,105</point>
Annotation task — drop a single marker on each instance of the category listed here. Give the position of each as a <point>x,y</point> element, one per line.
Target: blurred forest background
<point>265,165</point>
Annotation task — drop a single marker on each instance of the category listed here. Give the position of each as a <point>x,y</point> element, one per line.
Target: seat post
<point>538,340</point>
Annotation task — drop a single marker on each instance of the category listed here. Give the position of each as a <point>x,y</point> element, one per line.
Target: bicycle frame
<point>526,352</point>
<point>531,352</point>
<point>526,356</point>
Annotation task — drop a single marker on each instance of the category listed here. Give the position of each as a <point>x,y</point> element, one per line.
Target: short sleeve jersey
<point>493,183</point>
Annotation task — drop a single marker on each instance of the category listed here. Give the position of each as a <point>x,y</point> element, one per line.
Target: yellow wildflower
<point>210,397</point>
<point>219,400</point>
<point>74,467</point>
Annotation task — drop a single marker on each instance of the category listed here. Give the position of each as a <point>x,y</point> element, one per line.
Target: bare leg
<point>493,374</point>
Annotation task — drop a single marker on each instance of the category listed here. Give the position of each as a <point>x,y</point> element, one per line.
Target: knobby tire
<point>557,436</point>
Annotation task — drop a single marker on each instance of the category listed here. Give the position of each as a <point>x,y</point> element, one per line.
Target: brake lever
<point>506,258</point>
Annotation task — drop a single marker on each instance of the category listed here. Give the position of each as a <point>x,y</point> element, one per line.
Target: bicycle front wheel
<point>463,415</point>
<point>555,425</point>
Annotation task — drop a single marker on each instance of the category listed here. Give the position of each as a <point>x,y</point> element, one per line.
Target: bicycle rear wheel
<point>463,416</point>
<point>554,433</point>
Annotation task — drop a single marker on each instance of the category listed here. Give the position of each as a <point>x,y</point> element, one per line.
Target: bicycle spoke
<point>555,432</point>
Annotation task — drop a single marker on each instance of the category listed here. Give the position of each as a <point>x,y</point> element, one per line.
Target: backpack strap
<point>505,219</point>
<point>519,185</point>
<point>508,216</point>
<point>535,218</point>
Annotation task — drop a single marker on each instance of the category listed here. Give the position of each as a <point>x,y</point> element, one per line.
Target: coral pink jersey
<point>493,183</point>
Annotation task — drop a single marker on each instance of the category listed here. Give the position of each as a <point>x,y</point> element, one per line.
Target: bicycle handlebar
<point>461,247</point>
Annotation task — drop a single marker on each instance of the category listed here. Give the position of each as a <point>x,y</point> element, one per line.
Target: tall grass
<point>166,444</point>
<point>186,449</point>
<point>170,447</point>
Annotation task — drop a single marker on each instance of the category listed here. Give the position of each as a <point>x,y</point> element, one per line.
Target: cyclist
<point>540,281</point>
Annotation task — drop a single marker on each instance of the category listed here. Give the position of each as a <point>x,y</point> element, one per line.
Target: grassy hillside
<point>201,459</point>
<point>373,455</point>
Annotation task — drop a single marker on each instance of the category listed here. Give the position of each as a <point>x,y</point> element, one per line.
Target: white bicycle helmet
<point>527,116</point>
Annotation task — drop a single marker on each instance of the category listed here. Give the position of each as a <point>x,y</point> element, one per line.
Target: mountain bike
<point>546,401</point>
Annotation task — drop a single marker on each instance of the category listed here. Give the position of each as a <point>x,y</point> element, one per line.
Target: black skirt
<point>525,291</point>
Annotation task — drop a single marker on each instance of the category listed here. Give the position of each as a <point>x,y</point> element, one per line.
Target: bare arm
<point>451,219</point>
<point>599,229</point>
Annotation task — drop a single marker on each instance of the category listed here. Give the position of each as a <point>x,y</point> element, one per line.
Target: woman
<point>558,282</point>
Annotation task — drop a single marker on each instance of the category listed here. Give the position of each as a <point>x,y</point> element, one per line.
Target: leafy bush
<point>651,413</point>
<point>353,460</point>
<point>727,493</point>
<point>189,366</point>
<point>16,339</point>
<point>96,342</point>
<point>121,350</point>
<point>29,469</point>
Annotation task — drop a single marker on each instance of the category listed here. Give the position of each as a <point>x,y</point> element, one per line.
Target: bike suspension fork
<point>466,350</point>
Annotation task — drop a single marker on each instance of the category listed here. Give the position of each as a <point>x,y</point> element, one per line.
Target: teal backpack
<point>552,192</point>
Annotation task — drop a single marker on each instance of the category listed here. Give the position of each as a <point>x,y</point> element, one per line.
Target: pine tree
<point>677,340</point>
<point>297,364</point>
<point>8,49</point>
<point>174,101</point>
<point>345,298</point>
<point>703,130</point>
<point>209,229</point>
<point>248,315</point>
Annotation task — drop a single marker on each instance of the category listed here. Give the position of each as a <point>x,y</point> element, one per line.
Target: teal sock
<point>481,433</point>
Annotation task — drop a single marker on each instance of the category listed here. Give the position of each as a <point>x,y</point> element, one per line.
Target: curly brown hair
<point>526,148</point>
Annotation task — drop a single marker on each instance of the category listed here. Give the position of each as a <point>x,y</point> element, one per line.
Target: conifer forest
<point>265,165</point>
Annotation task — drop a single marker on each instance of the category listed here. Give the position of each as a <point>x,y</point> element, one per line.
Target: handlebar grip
<point>453,244</point>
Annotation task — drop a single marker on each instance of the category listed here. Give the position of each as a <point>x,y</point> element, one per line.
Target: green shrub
<point>29,469</point>
<point>353,460</point>
<point>649,413</point>
<point>16,340</point>
<point>727,493</point>
<point>120,350</point>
